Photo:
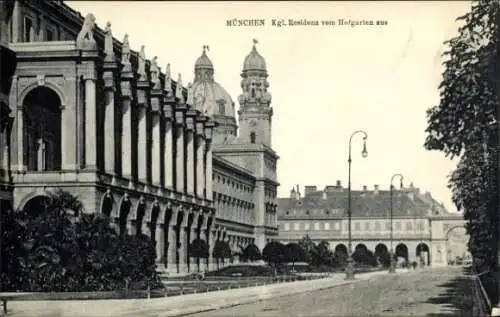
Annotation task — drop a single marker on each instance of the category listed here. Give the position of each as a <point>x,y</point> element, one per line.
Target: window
<point>287,226</point>
<point>306,226</point>
<point>357,226</point>
<point>28,25</point>
<point>337,225</point>
<point>377,226</point>
<point>316,226</point>
<point>408,226</point>
<point>222,108</point>
<point>327,226</point>
<point>252,137</point>
<point>420,226</point>
<point>398,225</point>
<point>388,225</point>
<point>296,226</point>
<point>367,226</point>
<point>50,35</point>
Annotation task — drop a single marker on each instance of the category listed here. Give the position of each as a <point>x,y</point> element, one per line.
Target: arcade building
<point>422,229</point>
<point>83,112</point>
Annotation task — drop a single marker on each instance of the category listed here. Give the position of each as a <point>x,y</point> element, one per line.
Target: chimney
<point>365,188</point>
<point>297,192</point>
<point>310,189</point>
<point>293,194</point>
<point>339,184</point>
<point>375,189</point>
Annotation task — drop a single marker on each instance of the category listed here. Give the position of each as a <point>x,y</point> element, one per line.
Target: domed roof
<point>254,61</point>
<point>203,61</point>
<point>212,99</point>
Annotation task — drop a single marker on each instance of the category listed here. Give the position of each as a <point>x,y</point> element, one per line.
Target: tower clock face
<point>253,123</point>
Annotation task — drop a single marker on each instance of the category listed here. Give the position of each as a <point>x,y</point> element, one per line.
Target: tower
<point>213,100</point>
<point>255,112</point>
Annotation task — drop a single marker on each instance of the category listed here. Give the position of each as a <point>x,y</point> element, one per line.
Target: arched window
<point>42,131</point>
<point>252,137</point>
<point>222,108</point>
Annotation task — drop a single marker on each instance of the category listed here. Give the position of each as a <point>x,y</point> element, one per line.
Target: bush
<point>58,249</point>
<point>274,253</point>
<point>251,253</point>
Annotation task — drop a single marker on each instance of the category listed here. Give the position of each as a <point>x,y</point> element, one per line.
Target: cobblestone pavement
<point>412,294</point>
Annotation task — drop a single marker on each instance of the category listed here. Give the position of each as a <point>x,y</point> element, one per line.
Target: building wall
<point>418,220</point>
<point>129,146</point>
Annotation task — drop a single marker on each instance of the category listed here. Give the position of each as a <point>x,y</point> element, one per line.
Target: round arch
<point>341,248</point>
<point>456,240</point>
<point>60,93</point>
<point>123,210</point>
<point>422,251</point>
<point>22,204</point>
<point>42,128</point>
<point>140,213</point>
<point>381,248</point>
<point>107,204</point>
<point>401,251</point>
<point>360,246</point>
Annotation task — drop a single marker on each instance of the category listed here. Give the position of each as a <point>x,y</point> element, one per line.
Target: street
<point>417,293</point>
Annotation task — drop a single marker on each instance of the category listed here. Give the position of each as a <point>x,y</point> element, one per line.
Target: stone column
<point>190,165</point>
<point>41,30</point>
<point>142,130</point>
<point>126,137</point>
<point>90,117</point>
<point>208,173</point>
<point>211,243</point>
<point>110,67</point>
<point>193,236</point>
<point>156,155</point>
<point>200,160</point>
<point>172,244</point>
<point>17,23</point>
<point>168,151</point>
<point>160,242</point>
<point>183,243</point>
<point>205,236</point>
<point>179,149</point>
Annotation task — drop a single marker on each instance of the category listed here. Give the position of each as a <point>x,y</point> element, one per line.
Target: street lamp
<point>392,266</point>
<point>349,270</point>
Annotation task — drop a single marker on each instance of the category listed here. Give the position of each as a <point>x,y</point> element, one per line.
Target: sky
<point>326,81</point>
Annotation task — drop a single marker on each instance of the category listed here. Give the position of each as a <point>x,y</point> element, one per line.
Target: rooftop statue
<point>85,39</point>
<point>108,43</point>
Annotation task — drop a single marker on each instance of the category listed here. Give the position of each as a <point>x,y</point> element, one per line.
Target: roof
<point>334,204</point>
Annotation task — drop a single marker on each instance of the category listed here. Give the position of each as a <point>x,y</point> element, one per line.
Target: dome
<point>254,61</point>
<point>203,62</point>
<point>212,99</point>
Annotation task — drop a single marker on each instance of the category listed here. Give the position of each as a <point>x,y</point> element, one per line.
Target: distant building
<point>84,112</point>
<point>322,215</point>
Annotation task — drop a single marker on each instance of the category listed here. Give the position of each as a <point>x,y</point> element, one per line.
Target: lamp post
<point>349,271</point>
<point>392,266</point>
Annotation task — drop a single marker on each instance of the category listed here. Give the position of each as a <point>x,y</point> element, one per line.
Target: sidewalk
<point>178,305</point>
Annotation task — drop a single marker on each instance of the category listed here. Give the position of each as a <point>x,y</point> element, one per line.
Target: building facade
<point>421,227</point>
<point>85,113</point>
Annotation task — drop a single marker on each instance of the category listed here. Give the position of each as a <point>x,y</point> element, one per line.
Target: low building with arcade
<point>421,226</point>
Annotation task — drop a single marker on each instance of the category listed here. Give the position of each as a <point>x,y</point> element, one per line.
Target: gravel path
<point>420,293</point>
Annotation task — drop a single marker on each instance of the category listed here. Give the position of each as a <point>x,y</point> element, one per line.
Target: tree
<point>274,253</point>
<point>321,255</point>
<point>199,249</point>
<point>465,124</point>
<point>251,253</point>
<point>294,253</point>
<point>364,256</point>
<point>308,246</point>
<point>221,251</point>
